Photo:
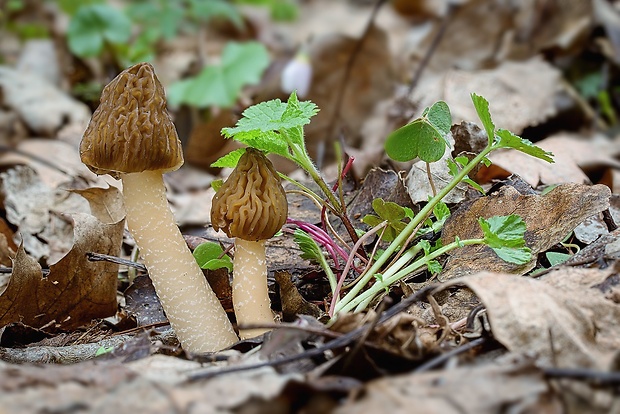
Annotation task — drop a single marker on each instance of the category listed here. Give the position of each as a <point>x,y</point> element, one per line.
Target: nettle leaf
<point>441,211</point>
<point>219,85</point>
<point>229,160</point>
<point>504,234</point>
<point>482,108</point>
<point>507,139</point>
<point>95,24</point>
<point>268,141</point>
<point>208,257</point>
<point>434,267</point>
<point>423,138</point>
<point>310,250</point>
<point>274,115</point>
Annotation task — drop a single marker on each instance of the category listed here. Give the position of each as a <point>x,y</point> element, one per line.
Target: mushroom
<point>131,136</point>
<point>250,206</point>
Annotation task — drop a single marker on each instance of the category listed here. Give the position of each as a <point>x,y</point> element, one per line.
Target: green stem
<point>343,304</point>
<point>377,288</point>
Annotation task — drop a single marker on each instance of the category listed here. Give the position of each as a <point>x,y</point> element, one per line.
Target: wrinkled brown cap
<point>131,130</point>
<point>251,204</point>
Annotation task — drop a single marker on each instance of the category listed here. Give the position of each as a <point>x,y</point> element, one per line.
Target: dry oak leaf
<point>75,290</point>
<point>549,218</point>
<point>562,321</point>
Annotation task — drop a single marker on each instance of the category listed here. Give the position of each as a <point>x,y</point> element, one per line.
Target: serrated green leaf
<point>95,24</point>
<point>309,248</point>
<point>425,245</point>
<point>434,267</point>
<point>270,116</point>
<point>462,160</point>
<point>507,139</point>
<point>504,234</point>
<point>229,160</point>
<point>482,108</point>
<point>219,85</point>
<point>267,141</point>
<point>441,211</point>
<point>519,256</point>
<point>208,254</point>
<point>423,138</point>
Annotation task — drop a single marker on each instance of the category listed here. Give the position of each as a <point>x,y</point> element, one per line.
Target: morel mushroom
<point>131,137</point>
<point>250,206</point>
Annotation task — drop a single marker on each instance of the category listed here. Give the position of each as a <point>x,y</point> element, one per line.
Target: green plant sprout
<point>277,127</point>
<point>211,256</point>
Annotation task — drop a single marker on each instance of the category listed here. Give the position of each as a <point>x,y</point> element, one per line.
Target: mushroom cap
<point>131,130</point>
<point>251,204</point>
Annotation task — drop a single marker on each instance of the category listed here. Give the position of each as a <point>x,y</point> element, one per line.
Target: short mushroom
<point>250,206</point>
<point>131,137</point>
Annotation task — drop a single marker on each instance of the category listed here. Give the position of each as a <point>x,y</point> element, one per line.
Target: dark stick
<point>345,340</point>
<point>98,257</point>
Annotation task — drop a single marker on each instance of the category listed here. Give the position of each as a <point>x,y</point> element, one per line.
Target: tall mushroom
<point>131,136</point>
<point>250,206</point>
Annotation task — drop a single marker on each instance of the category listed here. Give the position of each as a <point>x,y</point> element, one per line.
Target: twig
<point>341,342</point>
<point>440,359</point>
<point>432,48</point>
<point>584,374</point>
<point>98,257</point>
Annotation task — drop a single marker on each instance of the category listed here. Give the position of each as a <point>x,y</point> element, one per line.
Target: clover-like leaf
<point>210,256</point>
<point>423,138</point>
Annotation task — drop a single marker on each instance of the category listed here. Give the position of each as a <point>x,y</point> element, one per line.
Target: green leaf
<point>441,211</point>
<point>93,25</point>
<point>208,257</point>
<point>390,212</point>
<point>434,267</point>
<point>504,234</point>
<point>217,184</point>
<point>229,160</point>
<point>309,248</point>
<point>273,115</point>
<point>482,108</point>
<point>426,246</point>
<point>219,85</point>
<point>423,138</point>
<point>507,139</point>
<point>474,184</point>
<point>556,258</point>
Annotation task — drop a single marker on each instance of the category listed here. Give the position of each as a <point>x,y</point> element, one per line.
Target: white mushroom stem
<point>249,287</point>
<point>192,308</point>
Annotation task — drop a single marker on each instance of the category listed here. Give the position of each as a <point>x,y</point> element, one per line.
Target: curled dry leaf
<point>76,290</point>
<point>549,218</point>
<point>562,321</point>
<point>488,388</point>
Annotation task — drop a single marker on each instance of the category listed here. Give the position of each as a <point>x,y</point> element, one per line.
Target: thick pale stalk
<point>250,291</point>
<point>192,308</point>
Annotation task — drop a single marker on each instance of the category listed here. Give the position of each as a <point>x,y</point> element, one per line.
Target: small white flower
<point>297,75</point>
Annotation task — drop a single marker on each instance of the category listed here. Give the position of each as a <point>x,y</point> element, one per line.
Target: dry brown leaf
<point>76,290</point>
<point>549,218</point>
<point>560,321</point>
<point>486,389</point>
<point>521,94</point>
<point>571,155</point>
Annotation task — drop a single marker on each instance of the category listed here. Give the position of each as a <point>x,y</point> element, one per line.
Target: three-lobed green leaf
<point>210,256</point>
<point>505,235</point>
<point>423,138</point>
